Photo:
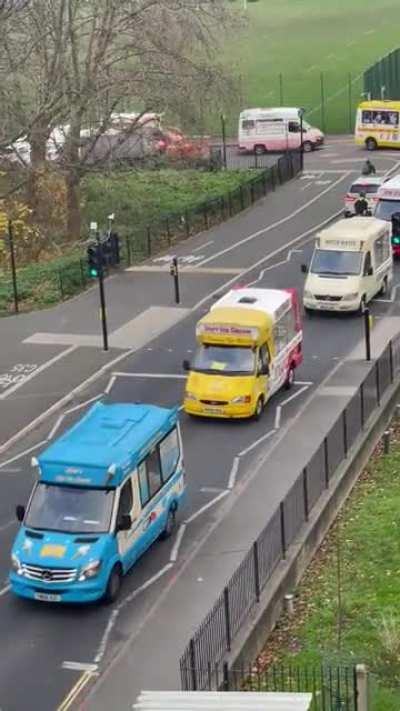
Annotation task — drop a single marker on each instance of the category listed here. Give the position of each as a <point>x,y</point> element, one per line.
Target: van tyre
<point>259,408</point>
<point>169,526</point>
<point>308,147</point>
<point>371,144</point>
<point>363,303</point>
<point>290,379</point>
<point>386,287</point>
<point>114,584</point>
<point>259,150</point>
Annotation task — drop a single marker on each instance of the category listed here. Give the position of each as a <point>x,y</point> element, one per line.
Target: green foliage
<point>301,38</point>
<point>142,197</point>
<point>369,554</point>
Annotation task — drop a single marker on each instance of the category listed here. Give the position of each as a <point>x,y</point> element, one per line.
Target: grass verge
<point>347,607</point>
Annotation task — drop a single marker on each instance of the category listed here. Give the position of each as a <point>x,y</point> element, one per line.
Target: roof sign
<point>226,330</point>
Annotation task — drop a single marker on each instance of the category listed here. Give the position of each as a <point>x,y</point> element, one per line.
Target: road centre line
<point>63,401</point>
<point>274,225</point>
<point>23,454</point>
<point>38,370</point>
<point>233,473</point>
<point>204,508</point>
<point>80,666</point>
<point>4,590</point>
<point>292,397</point>
<point>110,385</point>
<point>114,615</point>
<point>175,548</point>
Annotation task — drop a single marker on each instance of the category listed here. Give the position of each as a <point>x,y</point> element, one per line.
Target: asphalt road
<point>44,644</point>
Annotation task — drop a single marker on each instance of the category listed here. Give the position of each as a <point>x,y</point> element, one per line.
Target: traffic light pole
<point>103,312</point>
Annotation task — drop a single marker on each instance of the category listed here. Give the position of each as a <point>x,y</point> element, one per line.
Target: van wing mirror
<point>186,364</point>
<point>20,512</point>
<point>264,369</point>
<point>124,522</point>
<point>304,269</point>
<point>370,271</point>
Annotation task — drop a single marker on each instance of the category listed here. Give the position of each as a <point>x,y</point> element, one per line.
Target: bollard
<point>386,442</point>
<point>288,602</point>
<point>361,679</point>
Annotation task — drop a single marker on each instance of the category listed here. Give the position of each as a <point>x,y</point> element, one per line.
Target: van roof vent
<point>247,300</point>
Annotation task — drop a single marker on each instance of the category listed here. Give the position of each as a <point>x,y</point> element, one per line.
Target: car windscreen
<point>386,208</point>
<point>335,262</point>
<point>70,509</point>
<point>367,189</point>
<point>225,360</point>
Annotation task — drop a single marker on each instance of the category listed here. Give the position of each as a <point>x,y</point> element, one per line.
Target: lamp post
<point>301,114</point>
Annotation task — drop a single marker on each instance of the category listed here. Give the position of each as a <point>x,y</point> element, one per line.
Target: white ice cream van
<point>351,263</point>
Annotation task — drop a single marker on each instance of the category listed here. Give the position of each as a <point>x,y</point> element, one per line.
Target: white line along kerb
<point>36,372</point>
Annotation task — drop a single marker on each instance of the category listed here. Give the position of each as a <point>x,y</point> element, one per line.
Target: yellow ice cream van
<point>249,345</point>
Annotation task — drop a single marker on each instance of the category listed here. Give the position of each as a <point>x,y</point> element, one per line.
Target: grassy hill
<point>299,39</point>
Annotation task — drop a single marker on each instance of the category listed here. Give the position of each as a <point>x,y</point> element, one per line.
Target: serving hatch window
<point>336,263</point>
<point>225,360</point>
<point>377,117</point>
<point>70,509</point>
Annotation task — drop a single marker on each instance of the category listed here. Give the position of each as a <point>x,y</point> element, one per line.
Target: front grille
<point>327,298</point>
<point>214,402</point>
<point>49,575</point>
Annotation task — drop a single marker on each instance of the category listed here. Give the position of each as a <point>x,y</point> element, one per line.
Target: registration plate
<point>214,410</point>
<point>47,597</point>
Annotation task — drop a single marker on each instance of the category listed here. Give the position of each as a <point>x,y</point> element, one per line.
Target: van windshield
<point>385,209</point>
<point>70,509</point>
<point>225,360</point>
<point>330,261</point>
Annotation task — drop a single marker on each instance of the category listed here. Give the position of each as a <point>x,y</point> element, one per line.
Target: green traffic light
<point>93,273</point>
<point>396,240</point>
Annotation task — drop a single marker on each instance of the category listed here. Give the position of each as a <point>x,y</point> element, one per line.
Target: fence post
<point>230,204</point>
<point>323,128</point>
<point>326,458</point>
<point>128,251</point>
<point>222,205</point>
<point>168,230</point>
<point>378,385</point>
<point>256,571</point>
<point>345,439</point>
<point>225,676</point>
<point>305,493</point>
<point>241,197</point>
<point>187,223</point>
<point>193,664</point>
<point>255,159</point>
<point>361,687</point>
<point>362,411</point>
<point>273,175</point>
<point>283,532</point>
<point>391,361</point>
<point>148,238</point>
<point>227,619</point>
<point>350,98</point>
<point>60,281</point>
<point>205,214</point>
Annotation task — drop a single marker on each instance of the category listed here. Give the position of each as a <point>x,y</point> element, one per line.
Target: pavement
<point>67,654</point>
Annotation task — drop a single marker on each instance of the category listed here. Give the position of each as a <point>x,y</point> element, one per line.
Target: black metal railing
<point>214,637</point>
<point>333,688</point>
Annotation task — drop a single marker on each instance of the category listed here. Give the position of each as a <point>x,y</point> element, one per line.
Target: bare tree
<point>80,61</point>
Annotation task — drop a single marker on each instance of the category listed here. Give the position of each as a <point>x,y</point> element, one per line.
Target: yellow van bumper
<point>228,411</point>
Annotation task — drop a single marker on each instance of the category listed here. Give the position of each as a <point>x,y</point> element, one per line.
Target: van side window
<point>263,356</point>
<point>294,127</point>
<point>367,264</point>
<point>381,249</point>
<point>143,484</point>
<point>125,499</point>
<point>169,454</point>
<point>153,472</point>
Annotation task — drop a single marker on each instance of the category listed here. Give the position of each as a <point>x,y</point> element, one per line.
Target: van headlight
<point>308,294</point>
<point>190,396</point>
<point>90,570</point>
<point>350,297</point>
<point>15,563</point>
<point>241,399</point>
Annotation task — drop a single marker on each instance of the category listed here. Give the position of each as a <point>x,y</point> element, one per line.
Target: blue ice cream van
<point>107,489</point>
